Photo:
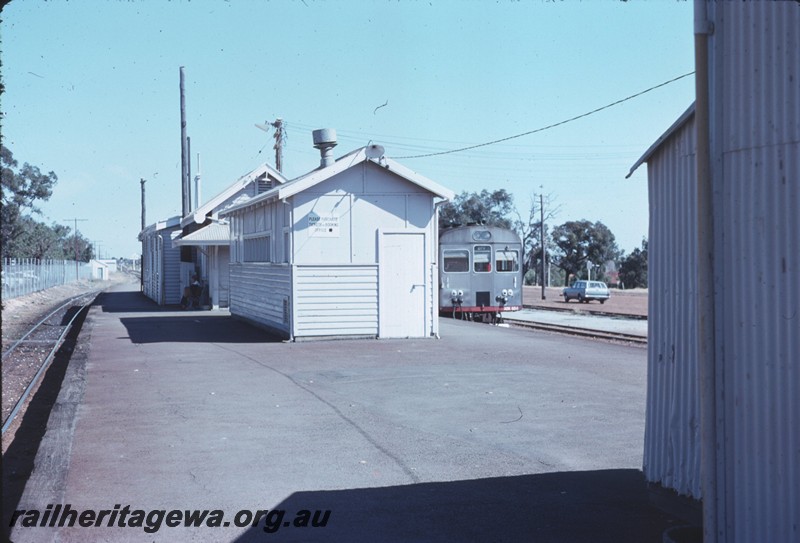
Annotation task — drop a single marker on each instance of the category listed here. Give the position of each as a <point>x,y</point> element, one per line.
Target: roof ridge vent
<point>325,141</point>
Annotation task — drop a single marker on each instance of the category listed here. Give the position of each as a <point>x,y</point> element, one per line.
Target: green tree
<point>633,268</point>
<point>580,243</point>
<point>491,208</point>
<point>21,189</point>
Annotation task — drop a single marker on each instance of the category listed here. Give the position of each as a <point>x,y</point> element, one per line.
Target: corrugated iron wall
<point>755,152</point>
<point>672,447</point>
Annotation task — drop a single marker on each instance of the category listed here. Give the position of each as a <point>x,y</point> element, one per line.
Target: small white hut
<point>348,249</point>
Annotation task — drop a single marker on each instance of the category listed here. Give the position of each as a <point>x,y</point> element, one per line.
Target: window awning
<point>213,234</point>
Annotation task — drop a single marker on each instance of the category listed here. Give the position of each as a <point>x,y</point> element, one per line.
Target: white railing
<point>25,275</point>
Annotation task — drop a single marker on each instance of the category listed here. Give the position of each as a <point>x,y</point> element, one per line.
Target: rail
<point>49,358</point>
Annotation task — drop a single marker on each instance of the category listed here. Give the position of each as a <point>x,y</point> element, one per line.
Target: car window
<point>456,260</point>
<point>482,258</point>
<point>507,260</point>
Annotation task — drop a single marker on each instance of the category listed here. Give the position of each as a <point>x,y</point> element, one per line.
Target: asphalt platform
<point>488,434</point>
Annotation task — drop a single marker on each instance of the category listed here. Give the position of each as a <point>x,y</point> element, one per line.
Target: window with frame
<point>482,258</point>
<point>506,260</point>
<point>257,248</point>
<point>455,260</point>
<point>287,246</point>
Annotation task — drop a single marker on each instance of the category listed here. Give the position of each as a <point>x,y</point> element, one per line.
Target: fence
<point>22,276</point>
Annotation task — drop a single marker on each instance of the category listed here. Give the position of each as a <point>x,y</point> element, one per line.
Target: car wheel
<point>566,299</point>
<point>602,302</point>
<point>580,298</point>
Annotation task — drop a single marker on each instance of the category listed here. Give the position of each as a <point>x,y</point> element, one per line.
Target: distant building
<point>102,269</point>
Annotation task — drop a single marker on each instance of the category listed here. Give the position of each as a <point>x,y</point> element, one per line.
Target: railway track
<point>27,358</point>
<point>577,331</point>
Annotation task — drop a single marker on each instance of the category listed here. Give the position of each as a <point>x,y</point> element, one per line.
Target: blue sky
<point>92,93</point>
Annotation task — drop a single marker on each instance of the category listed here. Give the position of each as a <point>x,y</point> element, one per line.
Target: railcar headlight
<point>460,292</point>
<point>453,293</point>
<point>510,292</point>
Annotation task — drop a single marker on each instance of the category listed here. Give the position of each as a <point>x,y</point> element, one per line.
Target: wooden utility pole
<point>544,244</point>
<point>280,139</point>
<point>186,202</point>
<point>144,225</point>
<point>144,220</point>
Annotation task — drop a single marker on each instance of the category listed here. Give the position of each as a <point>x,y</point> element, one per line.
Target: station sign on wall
<point>323,227</point>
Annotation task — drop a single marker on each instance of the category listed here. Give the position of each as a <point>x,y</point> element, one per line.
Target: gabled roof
<point>209,207</point>
<point>172,222</point>
<point>212,234</point>
<point>664,137</point>
<point>305,182</point>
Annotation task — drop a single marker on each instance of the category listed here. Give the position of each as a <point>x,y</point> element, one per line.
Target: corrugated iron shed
<point>750,474</point>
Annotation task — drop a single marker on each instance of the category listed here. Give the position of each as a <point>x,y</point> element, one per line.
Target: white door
<point>403,289</point>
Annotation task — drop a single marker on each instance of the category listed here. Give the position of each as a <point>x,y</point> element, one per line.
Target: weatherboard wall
<point>161,266</point>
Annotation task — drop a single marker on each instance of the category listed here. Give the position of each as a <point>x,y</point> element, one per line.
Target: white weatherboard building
<point>161,262</point>
<point>166,271</point>
<point>348,249</point>
<point>723,407</point>
<point>203,230</point>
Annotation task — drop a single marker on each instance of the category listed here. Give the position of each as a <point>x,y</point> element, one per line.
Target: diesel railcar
<point>480,272</point>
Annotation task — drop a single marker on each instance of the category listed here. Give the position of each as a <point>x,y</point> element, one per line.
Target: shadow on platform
<point>589,506</point>
<point>194,327</point>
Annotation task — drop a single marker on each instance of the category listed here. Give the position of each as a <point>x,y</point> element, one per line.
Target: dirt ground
<point>632,303</point>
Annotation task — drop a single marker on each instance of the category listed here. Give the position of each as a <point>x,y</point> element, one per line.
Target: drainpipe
<point>706,347</point>
<point>435,279</point>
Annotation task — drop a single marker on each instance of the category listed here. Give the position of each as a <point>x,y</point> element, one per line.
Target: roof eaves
<point>664,137</point>
<point>416,178</point>
<point>319,175</point>
<point>237,185</point>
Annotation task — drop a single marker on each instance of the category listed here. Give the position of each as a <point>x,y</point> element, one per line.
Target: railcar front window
<point>482,258</point>
<point>456,261</point>
<point>507,261</point>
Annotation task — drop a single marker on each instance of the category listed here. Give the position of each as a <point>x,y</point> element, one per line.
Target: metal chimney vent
<point>325,141</point>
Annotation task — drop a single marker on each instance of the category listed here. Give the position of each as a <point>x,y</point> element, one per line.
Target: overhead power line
<point>548,127</point>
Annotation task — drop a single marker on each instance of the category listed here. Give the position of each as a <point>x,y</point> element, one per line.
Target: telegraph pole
<point>144,223</point>
<point>75,244</point>
<point>280,138</point>
<point>185,189</point>
<point>544,246</point>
